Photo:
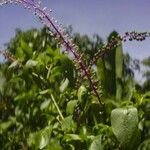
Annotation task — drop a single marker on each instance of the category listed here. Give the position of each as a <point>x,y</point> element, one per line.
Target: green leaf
<point>26,48</point>
<point>55,72</point>
<point>147,94</point>
<point>5,125</point>
<point>119,61</point>
<point>45,104</point>
<point>23,96</point>
<point>68,124</point>
<point>96,143</point>
<point>70,106</point>
<point>72,137</point>
<point>54,145</point>
<point>125,127</point>
<point>20,54</point>
<point>64,85</point>
<point>40,139</point>
<point>31,63</point>
<point>45,136</point>
<point>45,91</point>
<point>82,93</point>
<point>145,145</point>
<point>119,71</point>
<point>108,65</point>
<point>2,82</point>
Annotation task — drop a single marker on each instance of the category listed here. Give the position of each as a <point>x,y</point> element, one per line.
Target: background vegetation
<point>45,104</point>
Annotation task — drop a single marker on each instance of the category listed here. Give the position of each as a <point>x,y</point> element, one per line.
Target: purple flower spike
<point>56,30</point>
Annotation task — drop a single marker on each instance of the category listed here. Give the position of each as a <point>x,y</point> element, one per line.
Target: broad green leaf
<point>146,95</point>
<point>20,54</point>
<point>33,140</point>
<point>108,65</point>
<point>125,127</point>
<point>82,93</point>
<point>40,139</point>
<point>68,124</point>
<point>64,85</point>
<point>145,145</point>
<point>23,96</point>
<point>5,125</point>
<point>70,106</point>
<point>119,71</point>
<point>45,91</point>
<point>119,62</point>
<point>26,48</point>
<point>54,146</point>
<point>50,51</point>
<point>45,104</point>
<point>31,63</point>
<point>20,96</point>
<point>45,137</point>
<point>72,137</point>
<point>56,71</point>
<point>2,82</point>
<point>96,143</point>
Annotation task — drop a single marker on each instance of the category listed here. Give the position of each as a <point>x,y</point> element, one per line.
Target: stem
<point>57,107</point>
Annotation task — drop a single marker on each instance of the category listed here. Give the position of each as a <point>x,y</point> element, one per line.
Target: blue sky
<point>86,17</point>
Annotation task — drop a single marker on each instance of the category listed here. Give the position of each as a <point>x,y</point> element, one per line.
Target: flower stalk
<point>64,39</point>
<point>59,34</point>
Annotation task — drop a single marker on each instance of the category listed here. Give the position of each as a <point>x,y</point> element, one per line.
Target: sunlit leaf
<point>5,125</point>
<point>45,104</point>
<point>40,139</point>
<point>31,63</point>
<point>72,137</point>
<point>97,143</point>
<point>145,145</point>
<point>82,93</point>
<point>70,106</point>
<point>26,48</point>
<point>64,85</point>
<point>68,124</point>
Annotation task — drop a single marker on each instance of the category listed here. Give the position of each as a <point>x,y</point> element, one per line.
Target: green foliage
<point>87,46</point>
<point>119,71</point>
<point>116,72</point>
<point>41,107</point>
<point>40,139</point>
<point>110,70</point>
<point>146,74</point>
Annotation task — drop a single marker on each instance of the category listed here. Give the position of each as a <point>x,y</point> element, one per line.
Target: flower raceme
<point>58,32</point>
